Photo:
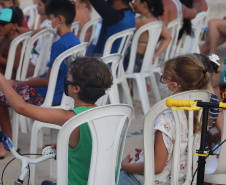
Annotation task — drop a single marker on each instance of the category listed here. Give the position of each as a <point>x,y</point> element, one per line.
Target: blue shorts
<point>127,179</point>
<point>138,61</point>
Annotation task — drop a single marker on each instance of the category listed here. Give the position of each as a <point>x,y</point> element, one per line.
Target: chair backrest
<point>125,36</point>
<point>179,9</point>
<point>154,30</point>
<point>174,28</point>
<point>93,23</point>
<point>21,39</point>
<point>75,27</point>
<point>190,44</point>
<point>111,94</point>
<point>43,57</point>
<point>106,124</point>
<point>150,118</point>
<point>32,15</point>
<point>78,49</point>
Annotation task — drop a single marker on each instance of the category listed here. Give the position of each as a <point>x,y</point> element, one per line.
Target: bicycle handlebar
<point>48,154</point>
<point>170,102</point>
<point>190,103</point>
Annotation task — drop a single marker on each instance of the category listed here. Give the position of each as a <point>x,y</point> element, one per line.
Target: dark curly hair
<point>92,75</point>
<point>66,8</point>
<point>155,7</point>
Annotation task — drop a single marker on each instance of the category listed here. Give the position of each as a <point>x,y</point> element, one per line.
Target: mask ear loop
<point>177,85</point>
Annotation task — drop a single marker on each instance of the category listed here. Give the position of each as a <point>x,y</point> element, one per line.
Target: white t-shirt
<point>166,124</point>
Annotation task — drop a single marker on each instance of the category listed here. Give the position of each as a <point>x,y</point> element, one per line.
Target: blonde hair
<point>188,72</point>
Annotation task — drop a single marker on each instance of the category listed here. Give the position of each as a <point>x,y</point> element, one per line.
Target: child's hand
<point>53,145</point>
<point>154,58</point>
<point>138,150</point>
<point>128,159</point>
<point>12,82</point>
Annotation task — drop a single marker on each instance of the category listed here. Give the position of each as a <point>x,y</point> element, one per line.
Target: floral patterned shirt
<point>166,124</point>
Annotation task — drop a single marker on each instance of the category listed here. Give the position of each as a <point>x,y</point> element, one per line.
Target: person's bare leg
<point>205,48</point>
<point>217,30</point>
<point>5,127</point>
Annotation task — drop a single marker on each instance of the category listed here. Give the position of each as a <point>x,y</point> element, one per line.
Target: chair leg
<point>33,149</point>
<point>53,164</point>
<point>154,88</point>
<point>126,91</point>
<point>15,129</point>
<point>23,124</point>
<point>141,86</point>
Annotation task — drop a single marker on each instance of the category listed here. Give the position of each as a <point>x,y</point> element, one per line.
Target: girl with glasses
<point>180,74</point>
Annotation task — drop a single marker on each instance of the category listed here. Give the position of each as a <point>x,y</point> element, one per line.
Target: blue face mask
<point>166,91</point>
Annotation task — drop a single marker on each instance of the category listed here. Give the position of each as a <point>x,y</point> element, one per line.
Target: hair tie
<point>204,71</point>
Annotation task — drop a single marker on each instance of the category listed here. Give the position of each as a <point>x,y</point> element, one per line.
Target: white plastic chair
<point>190,44</point>
<point>93,23</point>
<point>33,16</point>
<point>115,117</point>
<point>126,37</point>
<point>23,38</point>
<point>112,94</point>
<point>179,9</point>
<point>174,28</point>
<point>148,135</point>
<point>154,30</point>
<point>75,27</point>
<point>219,175</point>
<point>43,58</point>
<point>106,124</point>
<point>37,126</point>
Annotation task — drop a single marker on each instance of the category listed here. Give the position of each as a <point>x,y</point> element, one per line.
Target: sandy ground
<point>217,10</point>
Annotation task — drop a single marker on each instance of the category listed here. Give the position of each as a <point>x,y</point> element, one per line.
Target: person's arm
<point>22,30</point>
<point>165,38</point>
<point>219,122</point>
<point>160,157</point>
<point>106,11</point>
<point>37,82</point>
<point>56,50</point>
<point>188,13</point>
<point>48,115</point>
<point>161,153</point>
<point>135,168</point>
<point>3,61</point>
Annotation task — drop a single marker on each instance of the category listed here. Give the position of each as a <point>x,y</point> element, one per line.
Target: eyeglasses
<point>162,79</point>
<point>68,82</point>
